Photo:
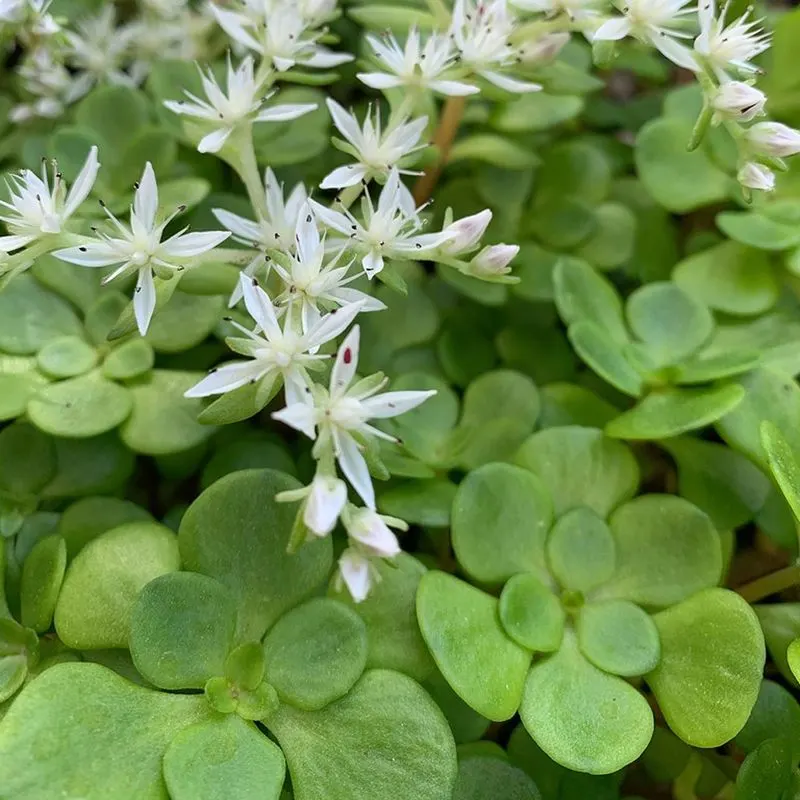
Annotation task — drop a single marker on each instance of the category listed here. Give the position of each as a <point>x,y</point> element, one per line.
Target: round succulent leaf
<point>712,661</point>
<point>671,412</point>
<point>315,653</point>
<point>484,778</point>
<point>129,360</point>
<point>27,460</point>
<point>66,357</point>
<point>16,390</point>
<point>531,614</point>
<point>605,357</point>
<point>236,532</point>
<point>667,549</point>
<point>223,758</point>
<point>766,773</point>
<point>80,407</point>
<point>780,623</point>
<point>575,168</point>
<point>500,393</point>
<point>712,368</point>
<point>184,322</point>
<point>563,222</point>
<point>612,242</point>
<point>583,718</point>
<point>565,405</point>
<point>731,278</point>
<point>109,743</point>
<point>466,724</point>
<point>421,502</point>
<point>757,230</point>
<point>501,515</point>
<point>776,713</point>
<point>461,627</point>
<point>394,640</point>
<point>783,464</point>
<point>103,581</point>
<point>618,637</point>
<point>13,671</point>
<point>580,550</point>
<point>793,658</point>
<point>672,323</point>
<point>245,666</point>
<point>581,467</point>
<point>385,739</point>
<point>181,630</point>
<point>103,314</point>
<point>42,575</point>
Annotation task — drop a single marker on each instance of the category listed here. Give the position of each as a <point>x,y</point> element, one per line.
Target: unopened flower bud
<point>544,49</point>
<point>756,176</point>
<point>466,232</point>
<point>324,503</point>
<point>774,139</point>
<point>739,101</point>
<point>494,260</point>
<point>370,530</point>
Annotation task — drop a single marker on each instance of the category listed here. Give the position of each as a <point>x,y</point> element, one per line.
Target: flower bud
<point>739,101</point>
<point>774,139</point>
<point>756,176</point>
<point>466,232</point>
<point>494,260</point>
<point>372,533</point>
<point>544,49</point>
<point>325,502</point>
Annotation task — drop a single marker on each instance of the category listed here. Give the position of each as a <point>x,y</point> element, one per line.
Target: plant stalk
<point>770,584</point>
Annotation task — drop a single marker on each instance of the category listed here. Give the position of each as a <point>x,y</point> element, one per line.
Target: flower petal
<point>342,177</point>
<point>332,324</point>
<point>454,88</point>
<point>379,80</point>
<point>354,569</point>
<point>346,123</point>
<point>510,84</point>
<point>186,245</point>
<point>372,263</point>
<point>392,404</point>
<point>260,308</point>
<point>344,367</point>
<point>144,300</point>
<point>83,184</point>
<point>332,219</point>
<point>9,243</point>
<point>239,226</point>
<point>676,52</point>
<point>145,201</point>
<point>94,254</point>
<point>227,378</point>
<point>325,502</point>
<point>285,112</point>
<point>213,142</point>
<point>613,30</point>
<point>299,416</point>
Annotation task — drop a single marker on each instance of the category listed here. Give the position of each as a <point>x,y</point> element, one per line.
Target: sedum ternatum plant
<point>399,400</point>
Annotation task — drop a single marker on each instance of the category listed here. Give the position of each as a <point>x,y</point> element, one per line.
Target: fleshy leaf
<point>605,356</point>
<point>42,574</point>
<point>783,463</point>
<point>531,614</point>
<point>482,778</point>
<point>766,773</point>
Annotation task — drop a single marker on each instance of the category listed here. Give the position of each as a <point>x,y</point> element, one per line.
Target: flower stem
<point>443,139</point>
<point>246,166</point>
<point>770,584</point>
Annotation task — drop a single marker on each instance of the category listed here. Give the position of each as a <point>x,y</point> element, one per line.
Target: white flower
<point>389,230</point>
<point>372,533</point>
<point>337,416</point>
<point>34,208</point>
<point>323,501</point>
<point>376,151</point>
<point>466,233</point>
<point>545,48</point>
<point>357,574</point>
<point>273,351</point>
<point>494,260</point>
<point>654,22</point>
<point>739,101</point>
<point>416,66</point>
<point>32,14</point>
<point>312,282</point>
<point>481,30</point>
<point>140,249</point>
<point>732,47</point>
<point>774,139</point>
<point>281,36</point>
<point>756,176</point>
<point>243,102</point>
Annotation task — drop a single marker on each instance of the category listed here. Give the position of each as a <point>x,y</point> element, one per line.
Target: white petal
<point>354,466</point>
<point>232,24</point>
<point>144,300</point>
<point>95,254</point>
<point>676,52</point>
<point>613,30</point>
<point>344,368</point>
<point>285,112</point>
<point>83,184</point>
<point>299,416</point>
<point>345,295</point>
<point>324,504</point>
<point>372,263</point>
<point>354,569</point>
<point>368,529</point>
<point>342,177</point>
<point>454,88</point>
<point>227,378</point>
<point>345,123</point>
<point>306,234</point>
<point>213,142</point>
<point>391,404</point>
<point>332,219</point>
<point>260,308</point>
<point>9,243</point>
<point>510,84</point>
<point>186,245</point>
<point>325,58</point>
<point>245,228</point>
<point>145,201</point>
<point>379,80</point>
<point>332,324</point>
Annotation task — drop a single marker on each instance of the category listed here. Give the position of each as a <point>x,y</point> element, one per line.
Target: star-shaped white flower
<point>139,249</point>
<point>481,30</point>
<point>314,283</point>
<point>274,351</point>
<point>226,110</point>
<point>655,22</point>
<point>35,208</point>
<point>375,150</point>
<point>390,230</point>
<point>339,416</point>
<point>427,66</point>
<point>729,47</point>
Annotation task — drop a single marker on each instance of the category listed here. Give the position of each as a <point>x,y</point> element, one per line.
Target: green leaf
<point>16,390</point>
<point>712,659</point>
<point>129,360</point>
<point>221,759</point>
<point>425,503</point>
<point>315,653</point>
<point>580,550</point>
<point>581,467</point>
<point>612,242</point>
<point>388,17</point>
<point>780,623</point>
<point>151,144</point>
<point>42,575</point>
<point>670,322</point>
<point>618,637</point>
<point>27,460</point>
<point>492,149</point>
<point>783,464</point>
<point>187,192</point>
<point>236,532</point>
<point>501,516</point>
<point>583,718</point>
<point>481,778</point>
<point>731,278</point>
<point>109,743</point>
<point>666,551</point>
<point>536,112</point>
<point>80,407</point>
<point>394,640</point>
<point>385,739</point>
<point>574,168</point>
<point>563,222</point>
<point>531,614</point>
<point>235,406</point>
<point>716,367</point>
<point>466,724</point>
<point>114,114</point>
<point>757,230</point>
<point>182,628</point>
<point>605,356</point>
<point>86,519</point>
<point>102,583</point>
<point>565,405</point>
<point>671,412</point>
<point>184,322</point>
<point>461,628</point>
<point>766,774</point>
<point>66,357</point>
<point>776,713</point>
<point>163,421</point>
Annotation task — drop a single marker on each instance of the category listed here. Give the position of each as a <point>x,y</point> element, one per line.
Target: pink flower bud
<point>756,176</point>
<point>739,101</point>
<point>494,260</point>
<point>774,139</point>
<point>466,232</point>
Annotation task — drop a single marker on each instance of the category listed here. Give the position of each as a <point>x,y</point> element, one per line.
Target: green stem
<point>246,166</point>
<point>770,584</point>
<point>440,11</point>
